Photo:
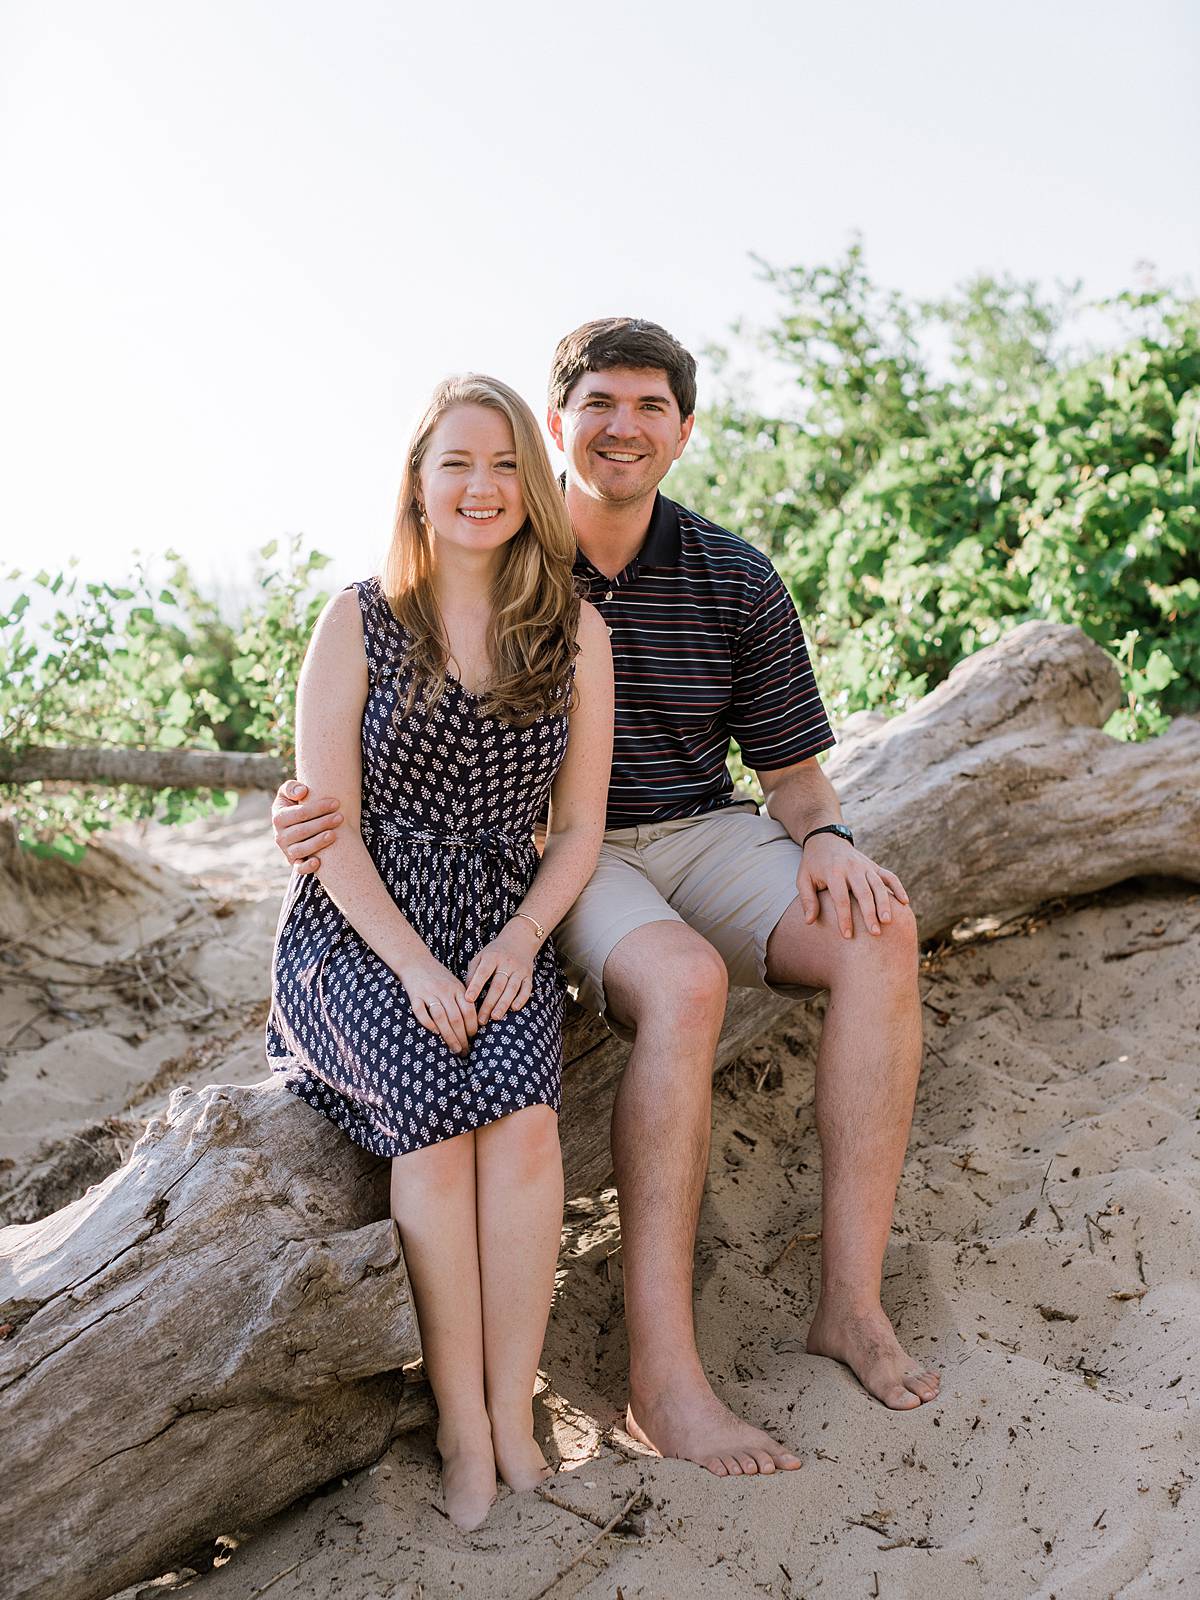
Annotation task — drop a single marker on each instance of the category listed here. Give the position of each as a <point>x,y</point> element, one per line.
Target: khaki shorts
<point>730,875</point>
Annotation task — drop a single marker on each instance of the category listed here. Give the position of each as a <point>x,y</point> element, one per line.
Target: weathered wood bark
<point>218,1327</point>
<point>156,769</point>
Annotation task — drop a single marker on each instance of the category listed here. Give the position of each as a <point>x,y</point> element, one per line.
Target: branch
<point>156,769</point>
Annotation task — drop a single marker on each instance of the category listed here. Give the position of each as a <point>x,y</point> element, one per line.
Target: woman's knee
<point>438,1169</point>
<point>526,1141</point>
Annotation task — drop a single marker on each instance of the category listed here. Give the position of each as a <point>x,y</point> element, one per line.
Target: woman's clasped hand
<point>499,980</point>
<point>508,963</point>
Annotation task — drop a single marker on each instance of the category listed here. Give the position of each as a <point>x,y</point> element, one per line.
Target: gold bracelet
<point>537,927</point>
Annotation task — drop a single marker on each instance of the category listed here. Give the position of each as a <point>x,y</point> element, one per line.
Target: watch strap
<point>840,828</point>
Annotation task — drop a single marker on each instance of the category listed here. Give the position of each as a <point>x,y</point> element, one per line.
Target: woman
<point>417,1001</point>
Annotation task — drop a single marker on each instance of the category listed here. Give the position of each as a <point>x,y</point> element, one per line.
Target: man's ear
<point>685,433</point>
<point>555,425</point>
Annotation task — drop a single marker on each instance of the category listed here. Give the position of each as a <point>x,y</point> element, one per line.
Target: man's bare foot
<point>866,1342</point>
<point>521,1464</point>
<point>468,1479</point>
<point>691,1424</point>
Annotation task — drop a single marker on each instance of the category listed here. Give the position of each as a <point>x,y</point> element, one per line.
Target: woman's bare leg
<point>519,1195</point>
<point>433,1202</point>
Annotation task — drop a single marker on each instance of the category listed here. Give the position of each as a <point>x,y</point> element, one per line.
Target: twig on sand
<point>271,1582</point>
<point>797,1238</point>
<point>565,1505</point>
<point>1141,949</point>
<point>589,1547</point>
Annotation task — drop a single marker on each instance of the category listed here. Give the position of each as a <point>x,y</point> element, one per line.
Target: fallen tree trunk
<point>155,769</point>
<point>219,1326</point>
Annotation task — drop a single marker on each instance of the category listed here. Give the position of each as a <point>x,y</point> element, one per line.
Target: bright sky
<point>240,241</point>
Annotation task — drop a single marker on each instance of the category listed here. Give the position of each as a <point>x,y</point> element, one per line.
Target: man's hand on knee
<point>834,865</point>
<point>303,827</point>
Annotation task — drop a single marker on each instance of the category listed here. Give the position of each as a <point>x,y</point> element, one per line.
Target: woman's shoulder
<point>591,633</point>
<point>593,661</point>
<point>341,620</point>
<point>359,614</point>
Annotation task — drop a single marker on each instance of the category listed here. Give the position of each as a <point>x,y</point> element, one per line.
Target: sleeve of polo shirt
<point>777,716</point>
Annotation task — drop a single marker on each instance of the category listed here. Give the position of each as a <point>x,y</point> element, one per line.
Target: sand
<point>1043,1257</point>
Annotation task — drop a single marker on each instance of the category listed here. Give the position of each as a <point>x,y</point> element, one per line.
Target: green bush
<point>147,665</point>
<point>1016,488</point>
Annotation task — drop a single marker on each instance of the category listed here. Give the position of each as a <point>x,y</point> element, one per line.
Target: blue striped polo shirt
<point>706,647</point>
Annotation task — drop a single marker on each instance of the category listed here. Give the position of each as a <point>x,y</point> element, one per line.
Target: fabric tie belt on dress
<point>485,879</point>
<point>490,839</point>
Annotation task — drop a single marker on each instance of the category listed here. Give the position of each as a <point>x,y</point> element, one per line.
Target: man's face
<point>620,431</point>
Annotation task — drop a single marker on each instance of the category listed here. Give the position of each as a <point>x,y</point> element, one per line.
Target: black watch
<point>840,828</point>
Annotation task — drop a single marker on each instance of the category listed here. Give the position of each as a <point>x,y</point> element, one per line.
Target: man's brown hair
<point>622,342</point>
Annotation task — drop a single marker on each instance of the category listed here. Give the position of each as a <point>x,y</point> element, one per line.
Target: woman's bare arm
<point>579,797</point>
<point>329,707</point>
<point>577,806</point>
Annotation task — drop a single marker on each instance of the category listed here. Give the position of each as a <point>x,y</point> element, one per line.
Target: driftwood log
<point>220,1326</point>
<point>156,769</point>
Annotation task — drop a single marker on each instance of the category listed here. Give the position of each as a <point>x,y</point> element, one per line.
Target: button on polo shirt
<point>707,647</point>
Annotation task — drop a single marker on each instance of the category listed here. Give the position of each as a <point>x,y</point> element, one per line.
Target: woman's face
<point>468,482</point>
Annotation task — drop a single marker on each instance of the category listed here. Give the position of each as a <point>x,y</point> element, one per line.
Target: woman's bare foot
<point>521,1464</point>
<point>866,1342</point>
<point>468,1477</point>
<point>689,1423</point>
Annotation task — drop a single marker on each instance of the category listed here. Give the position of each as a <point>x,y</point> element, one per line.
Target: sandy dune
<point>1044,1256</point>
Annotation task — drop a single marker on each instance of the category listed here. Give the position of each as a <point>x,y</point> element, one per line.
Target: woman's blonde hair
<point>535,602</point>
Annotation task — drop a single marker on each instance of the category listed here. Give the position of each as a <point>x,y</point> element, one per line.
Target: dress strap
<point>383,636</point>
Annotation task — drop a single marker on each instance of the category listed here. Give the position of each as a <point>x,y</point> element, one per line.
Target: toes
<point>749,1465</point>
<point>899,1399</point>
<point>733,1466</point>
<point>716,1466</point>
<point>787,1462</point>
<point>923,1384</point>
<point>765,1462</point>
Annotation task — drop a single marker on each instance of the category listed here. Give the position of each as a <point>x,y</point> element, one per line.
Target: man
<point>694,889</point>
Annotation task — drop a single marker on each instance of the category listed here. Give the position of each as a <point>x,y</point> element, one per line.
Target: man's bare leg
<point>867,1070</point>
<point>671,984</point>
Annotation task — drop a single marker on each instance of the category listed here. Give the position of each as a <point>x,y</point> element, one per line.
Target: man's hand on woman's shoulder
<point>303,827</point>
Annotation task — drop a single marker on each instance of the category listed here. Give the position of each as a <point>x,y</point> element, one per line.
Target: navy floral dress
<point>449,802</point>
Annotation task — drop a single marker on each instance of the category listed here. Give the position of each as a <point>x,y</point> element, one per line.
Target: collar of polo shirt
<point>661,546</point>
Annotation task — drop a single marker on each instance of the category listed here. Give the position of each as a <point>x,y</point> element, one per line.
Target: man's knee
<point>892,954</point>
<point>803,952</point>
<point>678,979</point>
<point>900,939</point>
